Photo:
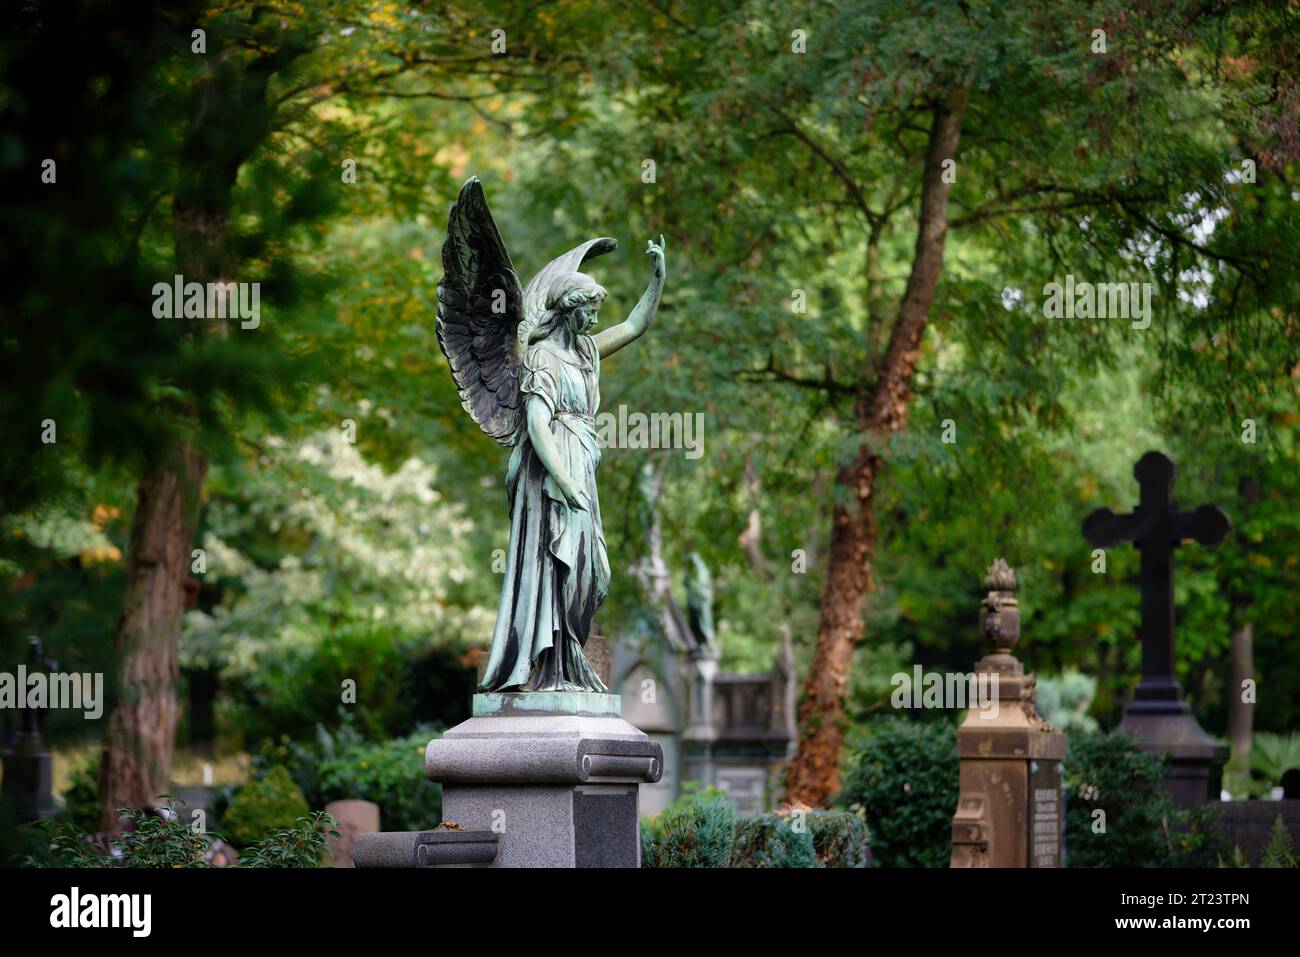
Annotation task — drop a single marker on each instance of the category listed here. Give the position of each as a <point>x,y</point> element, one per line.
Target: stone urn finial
<point>999,611</point>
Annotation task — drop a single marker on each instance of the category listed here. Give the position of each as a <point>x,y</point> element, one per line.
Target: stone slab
<point>543,749</point>
<point>441,848</point>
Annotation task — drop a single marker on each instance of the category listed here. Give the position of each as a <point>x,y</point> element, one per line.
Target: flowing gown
<point>557,570</point>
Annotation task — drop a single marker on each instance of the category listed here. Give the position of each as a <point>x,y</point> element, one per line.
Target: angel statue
<point>527,367</point>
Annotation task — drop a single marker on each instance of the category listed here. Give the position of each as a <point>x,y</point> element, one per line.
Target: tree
<point>878,139</point>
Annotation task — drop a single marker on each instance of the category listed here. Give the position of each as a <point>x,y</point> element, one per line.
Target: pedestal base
<point>1194,760</point>
<point>560,789</point>
<point>29,784</point>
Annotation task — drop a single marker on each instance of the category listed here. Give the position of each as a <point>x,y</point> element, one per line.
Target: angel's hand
<point>656,252</point>
<point>573,494</point>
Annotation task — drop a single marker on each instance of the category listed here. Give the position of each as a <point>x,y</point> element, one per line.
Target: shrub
<point>340,765</point>
<point>772,840</point>
<point>696,830</point>
<point>1143,828</point>
<point>904,777</point>
<point>81,799</point>
<point>150,839</point>
<point>262,805</point>
<point>1279,852</point>
<point>302,845</point>
<point>295,687</point>
<point>1064,700</point>
<point>839,838</point>
<point>1272,755</point>
<point>390,773</point>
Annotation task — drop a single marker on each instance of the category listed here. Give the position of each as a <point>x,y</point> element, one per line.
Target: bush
<point>390,773</point>
<point>839,838</point>
<point>297,688</point>
<point>302,845</point>
<point>1143,828</point>
<point>343,765</point>
<point>772,840</point>
<point>696,830</point>
<point>81,799</point>
<point>1280,851</point>
<point>150,839</point>
<point>262,805</point>
<point>904,777</point>
<point>1064,700</point>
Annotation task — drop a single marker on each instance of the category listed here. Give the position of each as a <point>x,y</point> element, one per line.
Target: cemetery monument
<point>546,761</point>
<point>1157,716</point>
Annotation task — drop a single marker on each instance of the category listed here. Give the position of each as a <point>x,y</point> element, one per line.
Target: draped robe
<point>557,569</point>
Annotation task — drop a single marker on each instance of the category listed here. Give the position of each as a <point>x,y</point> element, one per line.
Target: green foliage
<point>1272,755</point>
<point>302,845</point>
<point>700,829</point>
<point>150,839</point>
<point>262,805</point>
<point>1108,773</point>
<point>331,569</point>
<point>1279,852</point>
<point>696,830</point>
<point>1064,699</point>
<point>390,773</point>
<point>343,764</point>
<point>772,840</point>
<point>840,838</point>
<point>81,798</point>
<point>903,778</point>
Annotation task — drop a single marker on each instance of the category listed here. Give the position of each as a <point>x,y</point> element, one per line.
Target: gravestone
<point>28,766</point>
<point>1157,716</point>
<point>1010,810</point>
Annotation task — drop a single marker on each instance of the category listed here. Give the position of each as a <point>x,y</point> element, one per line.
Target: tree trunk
<point>141,730</point>
<point>813,775</point>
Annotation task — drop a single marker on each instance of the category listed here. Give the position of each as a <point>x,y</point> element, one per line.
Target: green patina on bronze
<point>494,704</point>
<point>527,367</point>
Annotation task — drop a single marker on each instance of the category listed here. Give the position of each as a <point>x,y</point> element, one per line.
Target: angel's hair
<point>565,295</point>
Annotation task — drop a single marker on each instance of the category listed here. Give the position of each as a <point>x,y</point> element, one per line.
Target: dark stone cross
<point>1157,527</point>
<point>1157,716</point>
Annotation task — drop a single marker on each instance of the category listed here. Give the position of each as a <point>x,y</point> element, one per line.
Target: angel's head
<point>576,299</point>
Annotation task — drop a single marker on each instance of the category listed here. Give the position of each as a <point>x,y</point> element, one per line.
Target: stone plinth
<point>441,848</point>
<point>1193,760</point>
<point>554,775</point>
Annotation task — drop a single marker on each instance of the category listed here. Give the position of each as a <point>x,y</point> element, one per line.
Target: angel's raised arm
<point>609,341</point>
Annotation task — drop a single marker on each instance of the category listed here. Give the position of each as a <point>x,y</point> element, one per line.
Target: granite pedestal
<point>554,775</point>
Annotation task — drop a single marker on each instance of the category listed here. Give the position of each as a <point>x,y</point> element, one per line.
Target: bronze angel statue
<point>526,361</point>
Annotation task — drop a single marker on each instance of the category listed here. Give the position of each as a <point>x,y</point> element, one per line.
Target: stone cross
<point>1157,527</point>
<point>1157,716</point>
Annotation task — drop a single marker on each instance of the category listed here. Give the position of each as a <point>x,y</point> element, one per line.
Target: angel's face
<point>584,316</point>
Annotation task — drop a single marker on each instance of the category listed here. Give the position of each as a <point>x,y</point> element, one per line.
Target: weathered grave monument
<point>28,765</point>
<point>1010,810</point>
<point>734,732</point>
<point>546,762</point>
<point>1157,716</point>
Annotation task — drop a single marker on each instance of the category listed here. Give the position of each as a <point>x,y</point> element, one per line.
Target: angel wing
<point>480,305</point>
